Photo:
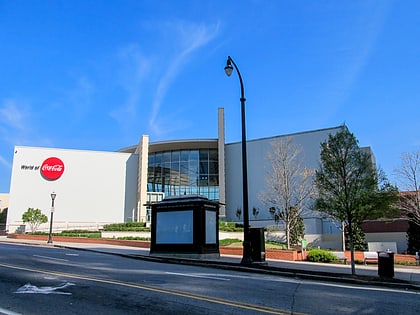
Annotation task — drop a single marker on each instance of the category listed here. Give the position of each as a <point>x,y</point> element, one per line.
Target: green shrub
<point>127,226</point>
<point>320,255</point>
<point>34,217</point>
<point>230,227</point>
<point>81,233</point>
<point>405,263</point>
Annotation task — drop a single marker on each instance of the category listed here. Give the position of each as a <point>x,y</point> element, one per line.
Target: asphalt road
<point>46,280</point>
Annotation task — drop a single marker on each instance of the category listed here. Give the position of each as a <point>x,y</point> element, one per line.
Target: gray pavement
<point>404,276</point>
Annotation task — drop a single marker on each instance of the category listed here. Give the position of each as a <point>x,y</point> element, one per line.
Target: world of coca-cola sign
<point>52,168</point>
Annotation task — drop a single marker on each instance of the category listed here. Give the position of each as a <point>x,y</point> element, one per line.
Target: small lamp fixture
<point>228,68</point>
<point>53,195</point>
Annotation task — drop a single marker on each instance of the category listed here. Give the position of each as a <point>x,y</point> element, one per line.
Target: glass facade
<point>184,172</point>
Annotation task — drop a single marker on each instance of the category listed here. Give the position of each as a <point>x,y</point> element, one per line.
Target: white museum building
<point>95,188</point>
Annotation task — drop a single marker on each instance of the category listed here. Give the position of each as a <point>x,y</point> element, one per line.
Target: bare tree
<point>409,181</point>
<point>289,184</point>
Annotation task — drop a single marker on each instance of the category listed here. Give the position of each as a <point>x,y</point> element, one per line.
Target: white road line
<point>46,257</point>
<point>197,276</point>
<point>8,312</point>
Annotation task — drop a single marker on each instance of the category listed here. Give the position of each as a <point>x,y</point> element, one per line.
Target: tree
<point>413,238</point>
<point>3,215</point>
<point>297,233</point>
<point>359,240</point>
<point>350,189</point>
<point>34,217</point>
<point>289,185</point>
<point>408,175</point>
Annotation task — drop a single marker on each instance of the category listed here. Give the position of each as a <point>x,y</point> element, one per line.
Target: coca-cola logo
<point>52,168</point>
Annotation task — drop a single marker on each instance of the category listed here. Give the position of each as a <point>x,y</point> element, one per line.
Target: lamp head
<point>228,68</point>
<point>53,195</point>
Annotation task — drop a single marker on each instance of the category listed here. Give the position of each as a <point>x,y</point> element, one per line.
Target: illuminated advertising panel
<point>174,227</point>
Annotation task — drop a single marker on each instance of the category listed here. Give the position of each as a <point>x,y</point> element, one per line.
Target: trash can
<point>386,264</point>
<point>257,244</point>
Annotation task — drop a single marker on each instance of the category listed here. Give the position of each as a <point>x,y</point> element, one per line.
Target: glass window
<point>204,167</point>
<point>213,180</point>
<point>184,154</point>
<point>175,156</point>
<point>166,157</point>
<point>213,155</point>
<point>184,172</point>
<point>183,167</point>
<point>213,168</point>
<point>204,155</point>
<point>193,155</point>
<point>175,166</point>
<point>158,158</point>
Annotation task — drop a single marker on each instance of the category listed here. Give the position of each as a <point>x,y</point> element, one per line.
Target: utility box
<point>186,226</point>
<point>386,264</point>
<point>256,236</point>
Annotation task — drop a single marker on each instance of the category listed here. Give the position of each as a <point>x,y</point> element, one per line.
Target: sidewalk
<point>405,276</point>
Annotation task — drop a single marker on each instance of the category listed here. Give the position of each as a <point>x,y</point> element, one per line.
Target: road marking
<point>53,258</point>
<point>73,255</point>
<point>197,276</point>
<point>8,312</point>
<point>234,304</point>
<point>29,288</point>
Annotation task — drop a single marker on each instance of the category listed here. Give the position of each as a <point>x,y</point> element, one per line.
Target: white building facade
<point>93,188</point>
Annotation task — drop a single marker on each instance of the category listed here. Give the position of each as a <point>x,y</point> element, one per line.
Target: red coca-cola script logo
<point>52,168</point>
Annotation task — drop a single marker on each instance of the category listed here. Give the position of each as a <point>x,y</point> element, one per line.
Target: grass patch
<point>275,245</point>
<point>230,241</point>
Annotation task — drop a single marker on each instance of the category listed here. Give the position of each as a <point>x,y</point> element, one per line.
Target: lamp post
<point>53,195</point>
<point>247,251</point>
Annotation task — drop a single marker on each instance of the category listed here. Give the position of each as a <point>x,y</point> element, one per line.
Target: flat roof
<point>187,144</point>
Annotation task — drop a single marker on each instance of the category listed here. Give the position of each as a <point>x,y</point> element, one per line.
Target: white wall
<point>317,232</point>
<point>259,166</point>
<point>96,187</point>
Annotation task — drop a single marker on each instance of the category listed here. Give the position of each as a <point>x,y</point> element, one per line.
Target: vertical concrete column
<point>143,152</point>
<point>221,152</point>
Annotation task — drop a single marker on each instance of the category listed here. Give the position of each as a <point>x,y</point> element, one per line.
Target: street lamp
<point>53,195</point>
<point>247,251</point>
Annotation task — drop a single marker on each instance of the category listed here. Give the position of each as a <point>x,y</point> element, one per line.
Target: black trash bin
<point>257,244</point>
<point>386,264</point>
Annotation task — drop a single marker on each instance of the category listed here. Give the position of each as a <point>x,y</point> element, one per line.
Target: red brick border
<point>224,250</point>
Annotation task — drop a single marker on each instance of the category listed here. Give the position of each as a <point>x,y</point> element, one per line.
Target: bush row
<point>230,227</point>
<point>127,226</point>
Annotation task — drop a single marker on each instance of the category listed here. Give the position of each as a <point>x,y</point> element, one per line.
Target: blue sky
<point>96,75</point>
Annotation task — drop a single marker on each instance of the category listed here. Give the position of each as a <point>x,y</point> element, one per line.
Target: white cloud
<point>145,76</point>
<point>18,124</point>
<point>135,68</point>
<point>14,114</point>
<point>190,37</point>
<point>5,162</point>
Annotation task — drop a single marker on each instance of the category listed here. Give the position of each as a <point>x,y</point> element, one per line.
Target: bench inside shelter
<point>370,256</point>
<point>340,256</point>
